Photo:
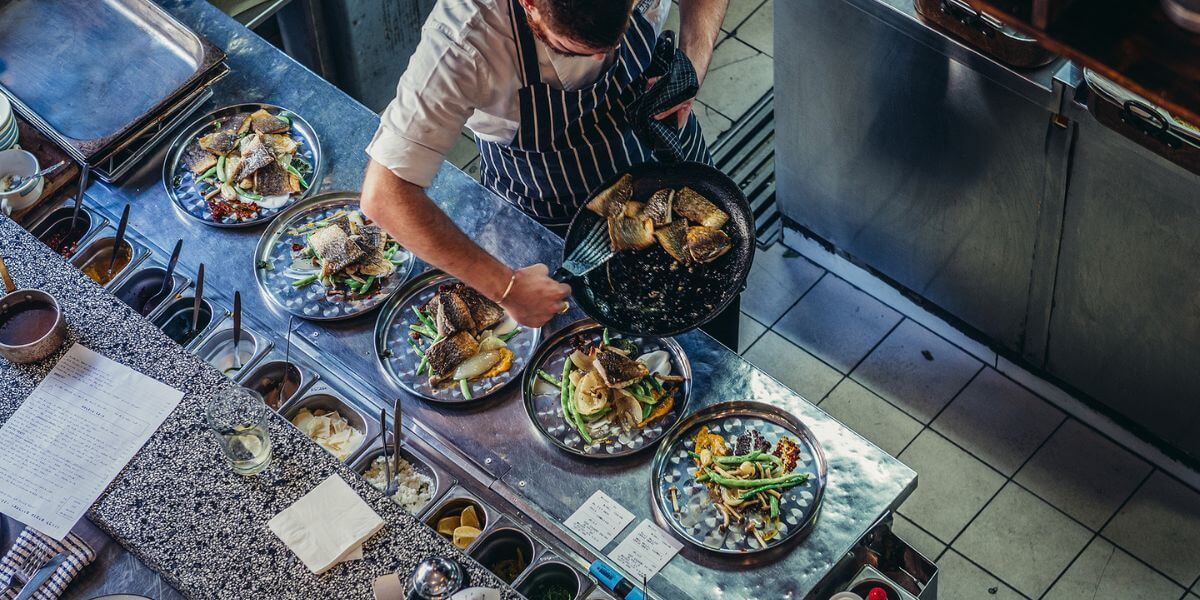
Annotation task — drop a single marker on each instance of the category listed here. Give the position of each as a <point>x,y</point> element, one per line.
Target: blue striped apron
<point>570,142</point>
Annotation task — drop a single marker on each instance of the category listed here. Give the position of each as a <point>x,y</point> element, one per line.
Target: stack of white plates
<point>8,125</point>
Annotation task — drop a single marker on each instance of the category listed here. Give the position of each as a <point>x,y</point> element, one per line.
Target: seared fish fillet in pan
<point>611,202</point>
<point>690,205</point>
<point>673,239</point>
<point>705,244</point>
<point>630,233</point>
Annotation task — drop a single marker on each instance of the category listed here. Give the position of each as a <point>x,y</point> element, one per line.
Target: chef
<point>543,85</point>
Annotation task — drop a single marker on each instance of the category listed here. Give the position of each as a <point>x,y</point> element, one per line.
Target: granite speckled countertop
<point>177,505</point>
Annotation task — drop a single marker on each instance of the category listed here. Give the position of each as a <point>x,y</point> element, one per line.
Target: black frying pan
<point>645,292</point>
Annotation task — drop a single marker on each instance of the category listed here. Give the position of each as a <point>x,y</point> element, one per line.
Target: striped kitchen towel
<point>43,548</point>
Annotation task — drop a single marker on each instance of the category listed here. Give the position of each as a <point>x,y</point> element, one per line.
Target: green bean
<point>299,283</point>
<point>655,382</point>
<point>564,393</point>
<point>209,173</point>
<point>366,286</point>
<point>296,172</point>
<point>510,335</point>
<point>424,319</point>
<point>774,502</point>
<point>604,336</point>
<point>465,387</point>
<point>416,347</point>
<point>757,455</point>
<point>792,482</point>
<point>423,330</point>
<point>757,483</point>
<point>552,380</point>
<point>221,169</point>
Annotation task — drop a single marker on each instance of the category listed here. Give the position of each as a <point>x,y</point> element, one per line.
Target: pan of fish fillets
<point>188,162</point>
<point>647,292</point>
<point>275,256</point>
<point>401,349</point>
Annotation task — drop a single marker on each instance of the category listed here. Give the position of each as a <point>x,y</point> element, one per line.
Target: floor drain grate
<point>747,154</point>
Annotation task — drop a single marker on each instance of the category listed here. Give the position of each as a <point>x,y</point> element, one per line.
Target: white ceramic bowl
<point>19,162</point>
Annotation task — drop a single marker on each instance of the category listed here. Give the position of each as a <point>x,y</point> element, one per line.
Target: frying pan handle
<point>562,275</point>
<point>677,83</point>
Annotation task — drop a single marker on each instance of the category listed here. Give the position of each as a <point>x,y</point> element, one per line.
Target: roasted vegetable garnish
<point>787,452</point>
<point>712,442</point>
<point>750,441</point>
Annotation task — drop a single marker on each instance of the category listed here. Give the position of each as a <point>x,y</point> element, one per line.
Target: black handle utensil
<point>169,276</point>
<point>84,174</point>
<point>237,331</point>
<point>117,241</point>
<point>198,300</point>
<point>396,429</point>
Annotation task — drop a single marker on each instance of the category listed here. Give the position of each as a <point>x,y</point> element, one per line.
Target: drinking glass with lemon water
<point>238,419</point>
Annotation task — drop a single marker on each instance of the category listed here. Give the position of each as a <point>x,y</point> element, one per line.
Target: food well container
<point>551,572</point>
<point>453,503</point>
<point>267,377</point>
<point>141,290</point>
<point>100,249</point>
<point>217,349</point>
<point>441,480</point>
<point>502,543</point>
<point>176,318</point>
<point>323,397</point>
<point>54,229</point>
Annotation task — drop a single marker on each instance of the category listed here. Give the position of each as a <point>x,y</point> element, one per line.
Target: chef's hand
<point>535,298</point>
<point>683,109</point>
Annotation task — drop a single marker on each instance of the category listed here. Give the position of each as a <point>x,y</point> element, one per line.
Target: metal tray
<point>92,52</point>
<point>697,522</point>
<point>180,182</point>
<point>400,362</point>
<point>546,410</point>
<point>323,396</point>
<point>274,251</point>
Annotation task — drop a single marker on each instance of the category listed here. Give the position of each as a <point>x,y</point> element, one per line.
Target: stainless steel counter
<point>864,482</point>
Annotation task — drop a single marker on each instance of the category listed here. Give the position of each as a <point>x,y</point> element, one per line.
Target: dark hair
<point>596,23</point>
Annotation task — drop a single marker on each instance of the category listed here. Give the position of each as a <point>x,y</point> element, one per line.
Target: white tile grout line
<point>880,290</point>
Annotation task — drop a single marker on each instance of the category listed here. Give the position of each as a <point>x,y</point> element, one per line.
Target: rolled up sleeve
<point>435,97</point>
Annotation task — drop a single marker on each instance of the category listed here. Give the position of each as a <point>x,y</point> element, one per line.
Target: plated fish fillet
<point>450,352</point>
<point>618,370</point>
<point>219,142</point>
<point>273,180</point>
<point>197,159</point>
<point>453,314</point>
<point>255,155</point>
<point>694,207</point>
<point>334,248</point>
<point>262,121</point>
<point>484,312</point>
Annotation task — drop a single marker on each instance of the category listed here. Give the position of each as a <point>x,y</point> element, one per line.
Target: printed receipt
<point>645,552</point>
<point>72,435</point>
<point>599,520</point>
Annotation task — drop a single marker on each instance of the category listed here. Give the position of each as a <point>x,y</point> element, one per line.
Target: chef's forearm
<point>409,215</point>
<point>699,26</point>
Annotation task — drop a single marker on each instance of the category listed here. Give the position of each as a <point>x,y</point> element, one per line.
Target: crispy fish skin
<point>705,244</point>
<point>690,205</point>
<point>673,239</point>
<point>272,180</point>
<point>335,248</point>
<point>197,159</point>
<point>264,122</point>
<point>484,312</point>
<point>281,144</point>
<point>255,155</point>
<point>450,352</point>
<point>453,314</point>
<point>658,207</point>
<point>219,142</point>
<point>630,233</point>
<point>618,370</point>
<point>611,202</point>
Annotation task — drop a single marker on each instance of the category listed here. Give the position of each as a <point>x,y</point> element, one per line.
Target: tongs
<point>198,300</point>
<point>392,486</point>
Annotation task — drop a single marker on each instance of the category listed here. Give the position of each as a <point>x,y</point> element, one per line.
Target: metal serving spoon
<point>20,180</point>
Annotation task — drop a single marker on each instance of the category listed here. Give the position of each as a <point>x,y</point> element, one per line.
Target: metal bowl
<point>141,290</point>
<point>400,362</point>
<point>545,410</point>
<point>100,249</point>
<point>420,464</point>
<point>180,183</point>
<point>550,572</point>
<point>271,373</point>
<point>59,221</point>
<point>457,499</point>
<point>217,350</point>
<point>274,255</point>
<point>697,521</point>
<point>180,310</point>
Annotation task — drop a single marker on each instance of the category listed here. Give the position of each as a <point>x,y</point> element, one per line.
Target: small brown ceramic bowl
<point>31,326</point>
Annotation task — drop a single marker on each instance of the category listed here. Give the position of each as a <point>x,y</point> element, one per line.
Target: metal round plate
<point>274,254</point>
<point>180,182</point>
<point>545,410</point>
<point>400,362</point>
<point>697,521</point>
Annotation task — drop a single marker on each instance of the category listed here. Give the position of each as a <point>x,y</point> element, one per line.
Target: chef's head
<point>579,27</point>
